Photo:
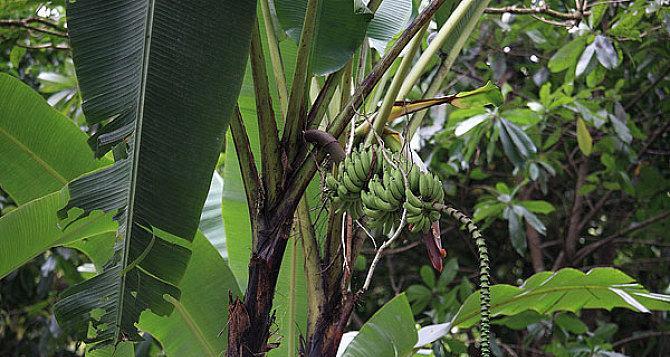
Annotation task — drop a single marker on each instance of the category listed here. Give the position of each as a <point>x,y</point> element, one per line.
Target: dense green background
<point>580,142</point>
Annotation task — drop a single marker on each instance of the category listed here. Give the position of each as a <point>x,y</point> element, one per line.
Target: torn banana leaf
<point>165,126</point>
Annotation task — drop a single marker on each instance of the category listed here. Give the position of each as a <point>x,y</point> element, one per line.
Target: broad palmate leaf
<point>160,79</point>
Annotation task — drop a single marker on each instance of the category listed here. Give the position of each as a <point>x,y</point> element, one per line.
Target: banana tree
<point>314,113</point>
<point>332,96</point>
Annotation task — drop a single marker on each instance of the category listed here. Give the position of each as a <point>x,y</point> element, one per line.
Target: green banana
<point>413,210</point>
<point>438,191</point>
<point>331,182</point>
<point>361,175</point>
<point>349,184</point>
<point>425,186</point>
<point>374,214</point>
<point>412,199</point>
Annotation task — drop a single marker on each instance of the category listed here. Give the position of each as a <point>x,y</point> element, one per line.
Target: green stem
<point>373,5</point>
<point>345,86</point>
<point>379,90</point>
<point>295,122</point>
<point>433,88</point>
<point>362,62</point>
<point>469,10</point>
<point>394,88</point>
<point>275,57</point>
<point>316,297</point>
<point>320,106</point>
<point>250,178</point>
<point>267,125</point>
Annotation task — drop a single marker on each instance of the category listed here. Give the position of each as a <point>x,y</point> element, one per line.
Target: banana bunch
<point>366,186</point>
<point>353,176</point>
<point>425,190</point>
<point>383,201</point>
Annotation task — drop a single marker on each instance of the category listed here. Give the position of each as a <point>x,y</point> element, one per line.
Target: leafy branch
<point>540,10</point>
<point>36,24</point>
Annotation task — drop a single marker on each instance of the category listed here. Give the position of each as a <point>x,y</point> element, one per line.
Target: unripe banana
<point>434,216</point>
<point>331,182</point>
<point>383,205</point>
<point>373,213</point>
<point>414,220</point>
<point>366,161</point>
<point>423,225</point>
<point>412,210</point>
<point>367,200</point>
<point>438,191</point>
<point>414,178</point>
<point>349,184</point>
<point>396,187</point>
<point>425,186</point>
<point>361,174</point>
<point>413,200</point>
<point>386,178</point>
<point>388,197</point>
<point>341,190</point>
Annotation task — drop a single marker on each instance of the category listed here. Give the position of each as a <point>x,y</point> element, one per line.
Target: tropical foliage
<point>254,178</point>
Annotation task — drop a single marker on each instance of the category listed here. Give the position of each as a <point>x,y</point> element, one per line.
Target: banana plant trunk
<point>330,327</point>
<point>250,321</point>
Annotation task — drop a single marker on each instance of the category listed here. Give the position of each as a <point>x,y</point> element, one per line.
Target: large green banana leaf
<point>389,332</point>
<point>340,29</point>
<point>390,19</point>
<point>40,149</point>
<point>160,79</point>
<point>565,290</point>
<point>33,228</point>
<point>199,325</point>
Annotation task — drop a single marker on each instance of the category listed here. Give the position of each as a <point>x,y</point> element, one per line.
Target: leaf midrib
<point>137,133</point>
<point>523,296</point>
<point>48,168</point>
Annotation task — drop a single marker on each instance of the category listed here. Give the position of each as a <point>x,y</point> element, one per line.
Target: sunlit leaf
<point>537,206</point>
<point>567,55</point>
<point>389,332</point>
<point>605,52</point>
<point>34,227</point>
<point>40,149</point>
<point>467,125</point>
<point>584,139</point>
<point>211,218</point>
<point>565,290</point>
<point>488,94</point>
<point>390,19</point>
